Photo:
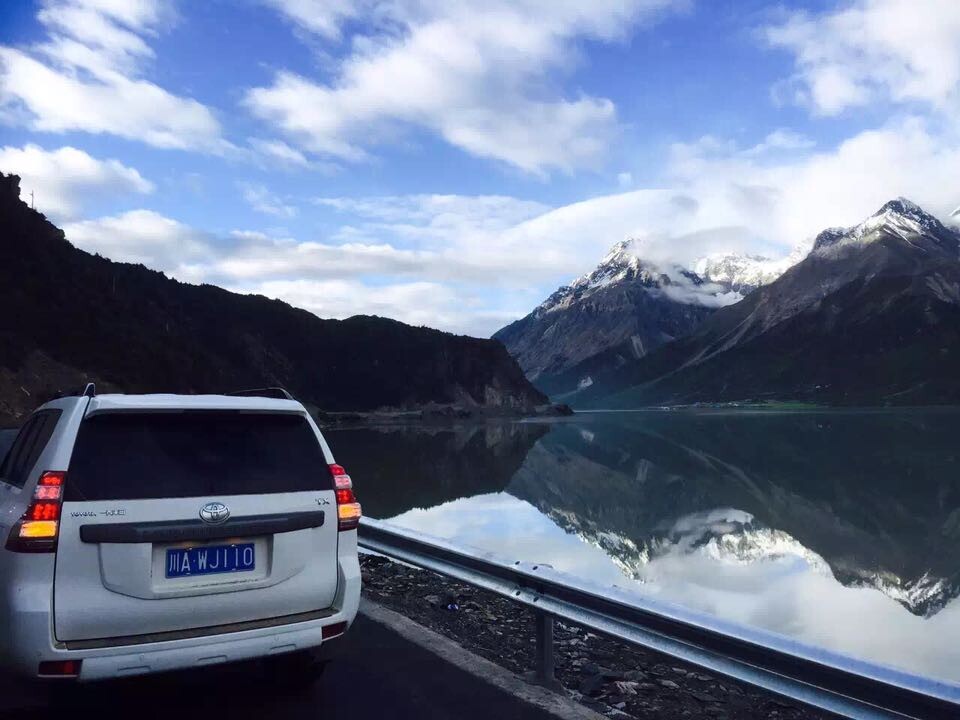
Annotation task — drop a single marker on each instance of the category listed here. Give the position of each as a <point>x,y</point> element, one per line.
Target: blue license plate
<point>210,560</point>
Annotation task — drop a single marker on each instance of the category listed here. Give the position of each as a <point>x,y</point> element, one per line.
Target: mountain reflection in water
<point>837,528</point>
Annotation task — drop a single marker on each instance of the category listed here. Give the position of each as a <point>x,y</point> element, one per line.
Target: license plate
<point>210,560</point>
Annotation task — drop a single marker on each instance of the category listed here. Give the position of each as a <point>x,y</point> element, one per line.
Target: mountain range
<point>624,309</point>
<point>68,317</point>
<point>871,315</point>
<point>609,317</point>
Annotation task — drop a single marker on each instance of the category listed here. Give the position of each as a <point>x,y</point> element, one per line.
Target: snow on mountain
<point>744,273</point>
<point>899,217</point>
<point>586,336</point>
<point>625,262</point>
<point>715,280</point>
<point>859,299</point>
<point>622,262</point>
<point>724,278</point>
<point>622,309</point>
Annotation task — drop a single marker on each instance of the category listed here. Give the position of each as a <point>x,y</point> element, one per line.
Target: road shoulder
<point>501,678</point>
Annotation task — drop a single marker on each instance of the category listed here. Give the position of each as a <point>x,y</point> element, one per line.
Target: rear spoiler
<point>277,393</point>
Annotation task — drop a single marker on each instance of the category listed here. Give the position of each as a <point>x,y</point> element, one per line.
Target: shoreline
<point>438,414</point>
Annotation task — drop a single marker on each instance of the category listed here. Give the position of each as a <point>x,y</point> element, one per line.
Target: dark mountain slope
<point>871,316</point>
<point>67,316</point>
<point>606,319</point>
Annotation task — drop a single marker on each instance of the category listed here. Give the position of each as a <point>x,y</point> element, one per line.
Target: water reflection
<point>839,529</point>
<point>402,467</point>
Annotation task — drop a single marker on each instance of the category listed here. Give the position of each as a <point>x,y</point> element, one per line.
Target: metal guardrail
<point>819,678</point>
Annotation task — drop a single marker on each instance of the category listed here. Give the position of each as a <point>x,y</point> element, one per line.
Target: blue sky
<point>450,163</point>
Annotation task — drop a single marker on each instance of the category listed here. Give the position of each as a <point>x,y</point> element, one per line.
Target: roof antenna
<point>90,390</point>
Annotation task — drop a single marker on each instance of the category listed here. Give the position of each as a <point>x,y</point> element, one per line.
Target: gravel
<point>607,675</point>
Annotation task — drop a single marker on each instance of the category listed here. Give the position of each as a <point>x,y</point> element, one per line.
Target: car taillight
<point>60,668</point>
<point>329,631</point>
<point>348,509</point>
<point>39,526</point>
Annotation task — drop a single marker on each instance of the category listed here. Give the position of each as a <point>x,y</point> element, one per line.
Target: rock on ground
<point>609,676</point>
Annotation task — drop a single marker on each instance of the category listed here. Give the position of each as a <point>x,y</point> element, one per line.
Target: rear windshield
<point>133,456</point>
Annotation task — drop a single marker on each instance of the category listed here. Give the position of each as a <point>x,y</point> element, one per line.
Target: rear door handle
<point>176,531</point>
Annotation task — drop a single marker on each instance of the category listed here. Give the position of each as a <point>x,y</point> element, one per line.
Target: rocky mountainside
<point>870,316</point>
<point>608,318</point>
<point>69,317</point>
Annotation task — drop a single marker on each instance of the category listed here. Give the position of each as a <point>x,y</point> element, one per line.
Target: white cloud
<point>434,217</point>
<point>278,153</point>
<point>147,237</point>
<point>784,201</point>
<point>417,303</point>
<point>898,50</point>
<point>476,73</point>
<point>63,179</point>
<point>436,238</point>
<point>624,179</point>
<point>261,257</point>
<point>784,140</point>
<point>84,77</point>
<point>106,33</point>
<point>717,197</point>
<point>323,17</point>
<point>336,281</point>
<point>262,200</point>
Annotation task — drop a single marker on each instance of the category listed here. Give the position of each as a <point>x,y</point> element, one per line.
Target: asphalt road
<point>377,675</point>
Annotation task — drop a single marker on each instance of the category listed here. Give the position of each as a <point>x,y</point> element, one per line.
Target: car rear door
<point>179,521</point>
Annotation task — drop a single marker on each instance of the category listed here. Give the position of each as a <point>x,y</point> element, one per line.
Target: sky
<point>452,162</point>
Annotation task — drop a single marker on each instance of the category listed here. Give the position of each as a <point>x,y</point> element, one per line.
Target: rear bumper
<point>201,652</point>
<point>30,638</point>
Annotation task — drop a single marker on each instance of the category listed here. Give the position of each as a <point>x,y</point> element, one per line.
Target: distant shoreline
<point>439,414</point>
<point>771,408</point>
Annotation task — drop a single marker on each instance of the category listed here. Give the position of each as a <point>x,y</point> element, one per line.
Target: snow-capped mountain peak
<point>623,263</point>
<point>714,280</point>
<point>899,218</point>
<point>744,273</point>
<point>829,236</point>
<point>899,213</point>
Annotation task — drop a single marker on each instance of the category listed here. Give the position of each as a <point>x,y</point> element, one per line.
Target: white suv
<point>144,533</point>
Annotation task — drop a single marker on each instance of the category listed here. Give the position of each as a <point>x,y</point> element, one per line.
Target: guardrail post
<point>813,677</point>
<point>545,673</point>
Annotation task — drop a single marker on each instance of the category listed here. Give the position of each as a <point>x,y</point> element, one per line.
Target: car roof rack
<point>277,393</point>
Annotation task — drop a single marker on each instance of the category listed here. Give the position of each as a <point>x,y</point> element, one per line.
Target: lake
<point>837,528</point>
